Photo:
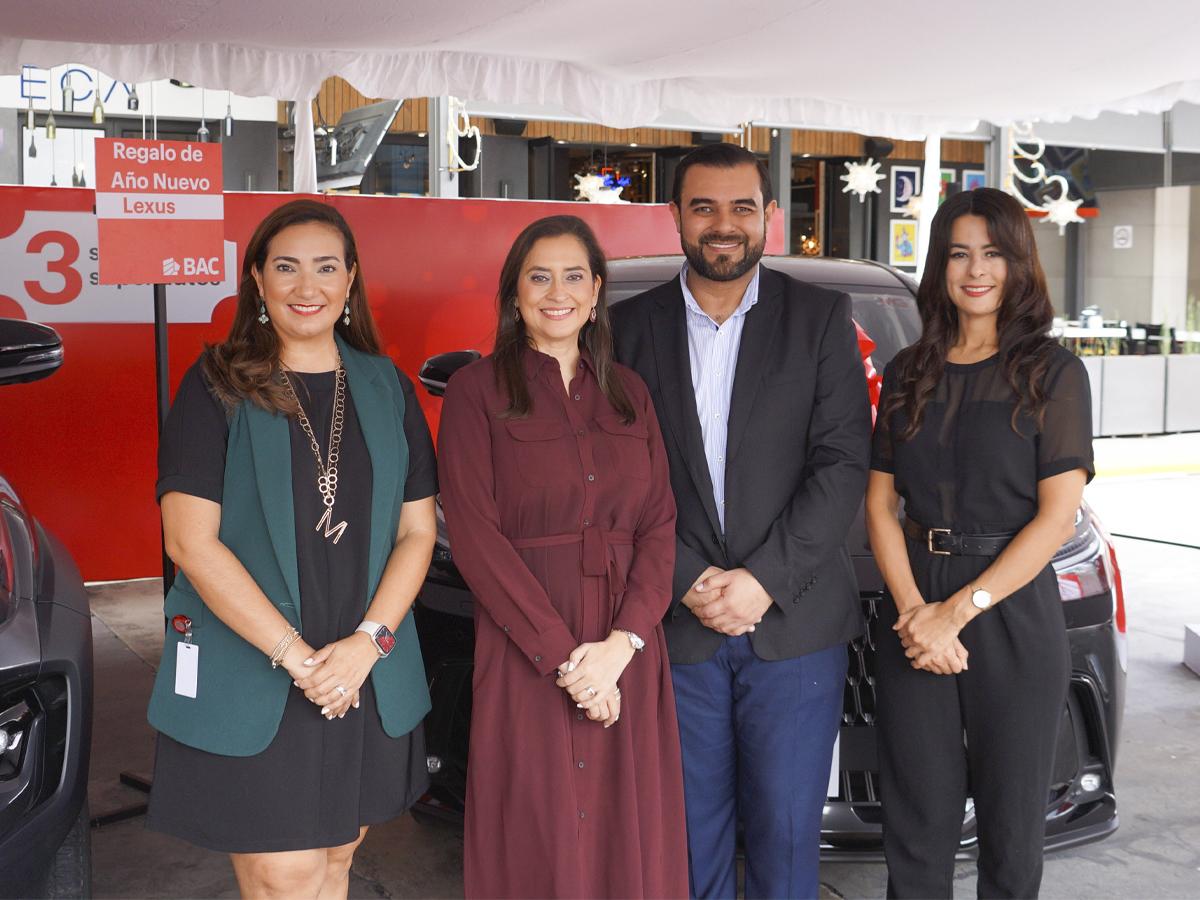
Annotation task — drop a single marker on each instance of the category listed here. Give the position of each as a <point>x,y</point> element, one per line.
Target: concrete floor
<point>1145,490</point>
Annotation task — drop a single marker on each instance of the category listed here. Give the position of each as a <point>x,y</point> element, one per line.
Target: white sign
<point>1122,237</point>
<point>51,268</point>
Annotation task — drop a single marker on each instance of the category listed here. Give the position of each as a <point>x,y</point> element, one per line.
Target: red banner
<point>160,210</point>
<point>80,446</point>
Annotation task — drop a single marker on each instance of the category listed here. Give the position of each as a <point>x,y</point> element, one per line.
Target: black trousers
<point>988,733</point>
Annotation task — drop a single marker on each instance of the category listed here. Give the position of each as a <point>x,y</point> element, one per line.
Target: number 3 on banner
<point>72,280</point>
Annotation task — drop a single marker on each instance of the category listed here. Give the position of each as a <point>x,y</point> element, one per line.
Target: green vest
<point>239,697</point>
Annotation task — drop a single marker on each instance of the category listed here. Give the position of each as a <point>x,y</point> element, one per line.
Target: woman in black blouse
<point>296,478</point>
<point>984,430</point>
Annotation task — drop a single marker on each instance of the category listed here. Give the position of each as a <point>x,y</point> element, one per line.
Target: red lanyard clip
<point>183,625</point>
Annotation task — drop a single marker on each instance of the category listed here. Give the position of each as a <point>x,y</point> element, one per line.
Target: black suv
<point>45,676</point>
<point>1082,804</point>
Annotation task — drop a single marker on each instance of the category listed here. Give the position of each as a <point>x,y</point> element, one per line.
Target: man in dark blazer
<point>759,387</point>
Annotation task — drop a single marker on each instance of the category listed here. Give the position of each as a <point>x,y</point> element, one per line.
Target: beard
<point>727,266</point>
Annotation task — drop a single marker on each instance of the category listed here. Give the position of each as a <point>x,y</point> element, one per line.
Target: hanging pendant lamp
<point>202,131</point>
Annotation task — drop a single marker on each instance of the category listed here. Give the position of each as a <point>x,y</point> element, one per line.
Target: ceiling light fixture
<point>97,106</point>
<point>229,115</point>
<point>202,131</point>
<point>322,128</point>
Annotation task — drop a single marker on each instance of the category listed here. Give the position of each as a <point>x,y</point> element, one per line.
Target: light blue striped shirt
<point>713,351</point>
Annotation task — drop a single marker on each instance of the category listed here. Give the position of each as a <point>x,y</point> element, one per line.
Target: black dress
<point>969,471</point>
<point>318,781</point>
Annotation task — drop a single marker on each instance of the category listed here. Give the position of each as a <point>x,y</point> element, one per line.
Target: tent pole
<point>442,181</point>
<point>931,188</point>
<point>304,152</point>
<point>163,396</point>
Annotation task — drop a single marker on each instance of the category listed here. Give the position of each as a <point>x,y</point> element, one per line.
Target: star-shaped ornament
<point>1062,212</point>
<point>863,179</point>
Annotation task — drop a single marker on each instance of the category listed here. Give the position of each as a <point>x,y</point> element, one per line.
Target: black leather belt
<point>944,542</point>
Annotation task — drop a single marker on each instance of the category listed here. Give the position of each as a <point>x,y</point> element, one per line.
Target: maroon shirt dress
<point>563,525</point>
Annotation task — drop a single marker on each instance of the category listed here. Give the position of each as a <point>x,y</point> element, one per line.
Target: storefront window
<point>399,167</point>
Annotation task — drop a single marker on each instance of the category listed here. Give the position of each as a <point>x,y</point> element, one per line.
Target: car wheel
<point>71,872</point>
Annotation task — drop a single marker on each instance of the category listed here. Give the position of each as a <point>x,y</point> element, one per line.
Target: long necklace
<point>327,468</point>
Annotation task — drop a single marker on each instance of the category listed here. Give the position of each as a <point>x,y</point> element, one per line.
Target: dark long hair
<point>1025,314</point>
<point>512,340</point>
<point>244,365</point>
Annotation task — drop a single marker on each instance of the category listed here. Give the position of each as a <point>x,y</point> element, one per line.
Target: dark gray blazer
<point>796,464</point>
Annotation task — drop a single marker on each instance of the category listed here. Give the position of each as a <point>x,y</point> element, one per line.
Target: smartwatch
<point>381,635</point>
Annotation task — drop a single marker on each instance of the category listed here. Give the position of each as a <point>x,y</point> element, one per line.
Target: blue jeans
<point>757,739</point>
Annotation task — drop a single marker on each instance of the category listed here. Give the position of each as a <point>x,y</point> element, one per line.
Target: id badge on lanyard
<point>187,659</point>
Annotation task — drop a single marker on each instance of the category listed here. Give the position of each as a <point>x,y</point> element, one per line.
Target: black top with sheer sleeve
<point>967,468</point>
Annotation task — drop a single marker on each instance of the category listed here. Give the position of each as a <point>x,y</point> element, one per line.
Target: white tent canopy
<point>874,67</point>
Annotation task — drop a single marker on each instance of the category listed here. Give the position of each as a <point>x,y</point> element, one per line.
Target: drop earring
<point>592,317</point>
<point>263,318</point>
<point>346,313</point>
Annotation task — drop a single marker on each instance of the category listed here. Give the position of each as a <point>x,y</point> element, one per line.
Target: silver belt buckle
<point>929,541</point>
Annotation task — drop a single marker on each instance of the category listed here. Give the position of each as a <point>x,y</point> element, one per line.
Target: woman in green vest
<point>296,480</point>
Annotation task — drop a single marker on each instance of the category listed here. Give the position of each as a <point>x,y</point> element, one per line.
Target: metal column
<point>442,182</point>
<point>781,181</point>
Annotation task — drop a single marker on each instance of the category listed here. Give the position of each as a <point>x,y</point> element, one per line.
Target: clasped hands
<point>345,664</point>
<point>929,634</point>
<point>729,601</point>
<point>590,676</point>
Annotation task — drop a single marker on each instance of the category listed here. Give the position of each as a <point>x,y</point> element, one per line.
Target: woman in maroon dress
<point>561,518</point>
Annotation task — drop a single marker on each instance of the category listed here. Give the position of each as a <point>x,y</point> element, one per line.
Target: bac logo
<point>192,265</point>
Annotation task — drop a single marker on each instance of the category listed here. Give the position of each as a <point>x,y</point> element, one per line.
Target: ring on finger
<point>341,690</point>
<point>590,691</point>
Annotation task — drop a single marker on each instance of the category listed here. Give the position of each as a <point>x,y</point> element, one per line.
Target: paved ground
<point>1149,488</point>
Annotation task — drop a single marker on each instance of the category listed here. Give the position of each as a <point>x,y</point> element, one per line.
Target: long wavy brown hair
<point>1023,323</point>
<point>512,339</point>
<point>245,365</point>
